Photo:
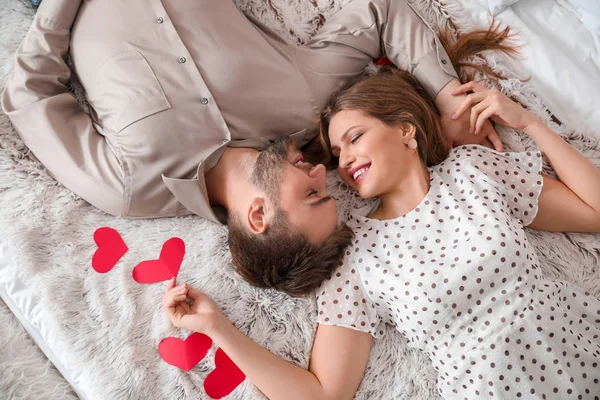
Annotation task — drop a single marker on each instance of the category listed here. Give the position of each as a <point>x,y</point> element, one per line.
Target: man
<point>183,89</point>
<point>281,219</point>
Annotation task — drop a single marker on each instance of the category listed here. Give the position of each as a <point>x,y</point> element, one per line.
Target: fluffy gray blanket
<point>110,326</point>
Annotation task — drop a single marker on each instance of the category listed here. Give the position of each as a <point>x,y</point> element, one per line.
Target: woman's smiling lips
<point>357,174</point>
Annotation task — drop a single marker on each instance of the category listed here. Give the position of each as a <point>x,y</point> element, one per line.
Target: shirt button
<point>225,141</point>
<point>444,62</point>
<point>160,20</point>
<point>182,60</point>
<point>204,101</point>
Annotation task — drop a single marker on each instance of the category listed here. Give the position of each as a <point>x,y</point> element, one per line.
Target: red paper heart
<point>225,377</point>
<point>111,248</point>
<point>167,265</point>
<point>184,354</point>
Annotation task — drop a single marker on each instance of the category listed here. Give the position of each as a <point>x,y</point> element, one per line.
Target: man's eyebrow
<point>321,201</point>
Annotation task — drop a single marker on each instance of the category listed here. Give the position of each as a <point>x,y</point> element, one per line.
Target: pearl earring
<point>412,144</point>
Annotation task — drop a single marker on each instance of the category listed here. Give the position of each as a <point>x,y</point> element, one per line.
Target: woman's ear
<point>408,131</point>
<point>257,216</point>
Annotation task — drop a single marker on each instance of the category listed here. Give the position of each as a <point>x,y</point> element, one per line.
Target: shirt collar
<point>192,193</point>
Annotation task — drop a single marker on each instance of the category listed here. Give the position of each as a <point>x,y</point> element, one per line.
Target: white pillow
<point>588,12</point>
<point>591,6</point>
<point>497,6</point>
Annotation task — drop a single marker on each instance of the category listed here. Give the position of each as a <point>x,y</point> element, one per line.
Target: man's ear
<point>257,216</point>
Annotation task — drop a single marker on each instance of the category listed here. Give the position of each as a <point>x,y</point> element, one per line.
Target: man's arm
<point>49,119</point>
<point>368,29</point>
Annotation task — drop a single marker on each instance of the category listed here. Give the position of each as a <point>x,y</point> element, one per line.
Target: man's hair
<point>266,172</point>
<point>285,260</point>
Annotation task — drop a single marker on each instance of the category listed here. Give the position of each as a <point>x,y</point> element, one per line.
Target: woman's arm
<point>337,364</point>
<point>573,204</point>
<point>561,210</point>
<point>338,359</point>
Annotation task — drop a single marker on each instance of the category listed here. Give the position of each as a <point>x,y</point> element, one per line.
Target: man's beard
<point>270,164</point>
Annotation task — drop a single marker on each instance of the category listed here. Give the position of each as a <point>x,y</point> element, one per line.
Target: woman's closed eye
<point>356,138</point>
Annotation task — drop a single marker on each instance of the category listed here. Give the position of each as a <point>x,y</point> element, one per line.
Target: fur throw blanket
<point>110,327</point>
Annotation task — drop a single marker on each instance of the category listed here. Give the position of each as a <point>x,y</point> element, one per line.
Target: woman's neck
<point>405,197</point>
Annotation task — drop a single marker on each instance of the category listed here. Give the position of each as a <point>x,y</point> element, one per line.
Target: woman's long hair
<point>395,97</point>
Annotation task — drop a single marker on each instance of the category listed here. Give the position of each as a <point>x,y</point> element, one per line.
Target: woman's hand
<point>456,130</point>
<point>202,315</point>
<point>491,104</point>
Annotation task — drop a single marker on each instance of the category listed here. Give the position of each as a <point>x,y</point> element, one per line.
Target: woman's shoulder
<point>473,159</point>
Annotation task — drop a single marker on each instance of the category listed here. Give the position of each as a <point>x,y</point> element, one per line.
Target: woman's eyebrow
<point>347,132</point>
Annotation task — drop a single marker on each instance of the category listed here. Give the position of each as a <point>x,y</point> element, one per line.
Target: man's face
<point>297,188</point>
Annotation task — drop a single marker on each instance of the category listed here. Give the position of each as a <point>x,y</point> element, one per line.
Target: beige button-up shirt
<point>172,82</point>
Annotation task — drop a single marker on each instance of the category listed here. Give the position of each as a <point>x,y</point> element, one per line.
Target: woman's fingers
<point>177,293</point>
<point>484,116</point>
<point>468,87</point>
<point>464,88</point>
<point>194,293</point>
<point>179,297</point>
<point>475,113</point>
<point>469,101</point>
<point>492,136</point>
<point>168,304</point>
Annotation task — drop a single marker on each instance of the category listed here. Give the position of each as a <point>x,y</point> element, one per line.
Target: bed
<point>561,53</point>
<point>69,332</point>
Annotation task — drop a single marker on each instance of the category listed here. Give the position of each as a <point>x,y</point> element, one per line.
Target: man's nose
<point>317,171</point>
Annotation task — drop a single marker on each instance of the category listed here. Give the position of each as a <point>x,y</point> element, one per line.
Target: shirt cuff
<point>435,70</point>
<point>61,12</point>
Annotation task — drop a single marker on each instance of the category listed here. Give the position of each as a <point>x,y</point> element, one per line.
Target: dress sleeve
<point>342,301</point>
<point>518,177</point>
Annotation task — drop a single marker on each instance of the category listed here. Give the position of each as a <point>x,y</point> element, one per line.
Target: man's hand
<point>202,315</point>
<point>458,130</point>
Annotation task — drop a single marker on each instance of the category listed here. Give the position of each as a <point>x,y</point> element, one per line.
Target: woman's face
<point>373,157</point>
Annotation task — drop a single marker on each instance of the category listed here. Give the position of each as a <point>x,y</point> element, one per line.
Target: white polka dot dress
<point>458,278</point>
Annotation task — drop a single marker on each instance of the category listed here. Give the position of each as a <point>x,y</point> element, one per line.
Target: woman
<point>443,256</point>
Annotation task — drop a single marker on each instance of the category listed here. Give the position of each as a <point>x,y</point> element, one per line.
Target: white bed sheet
<point>24,304</point>
<point>561,54</point>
